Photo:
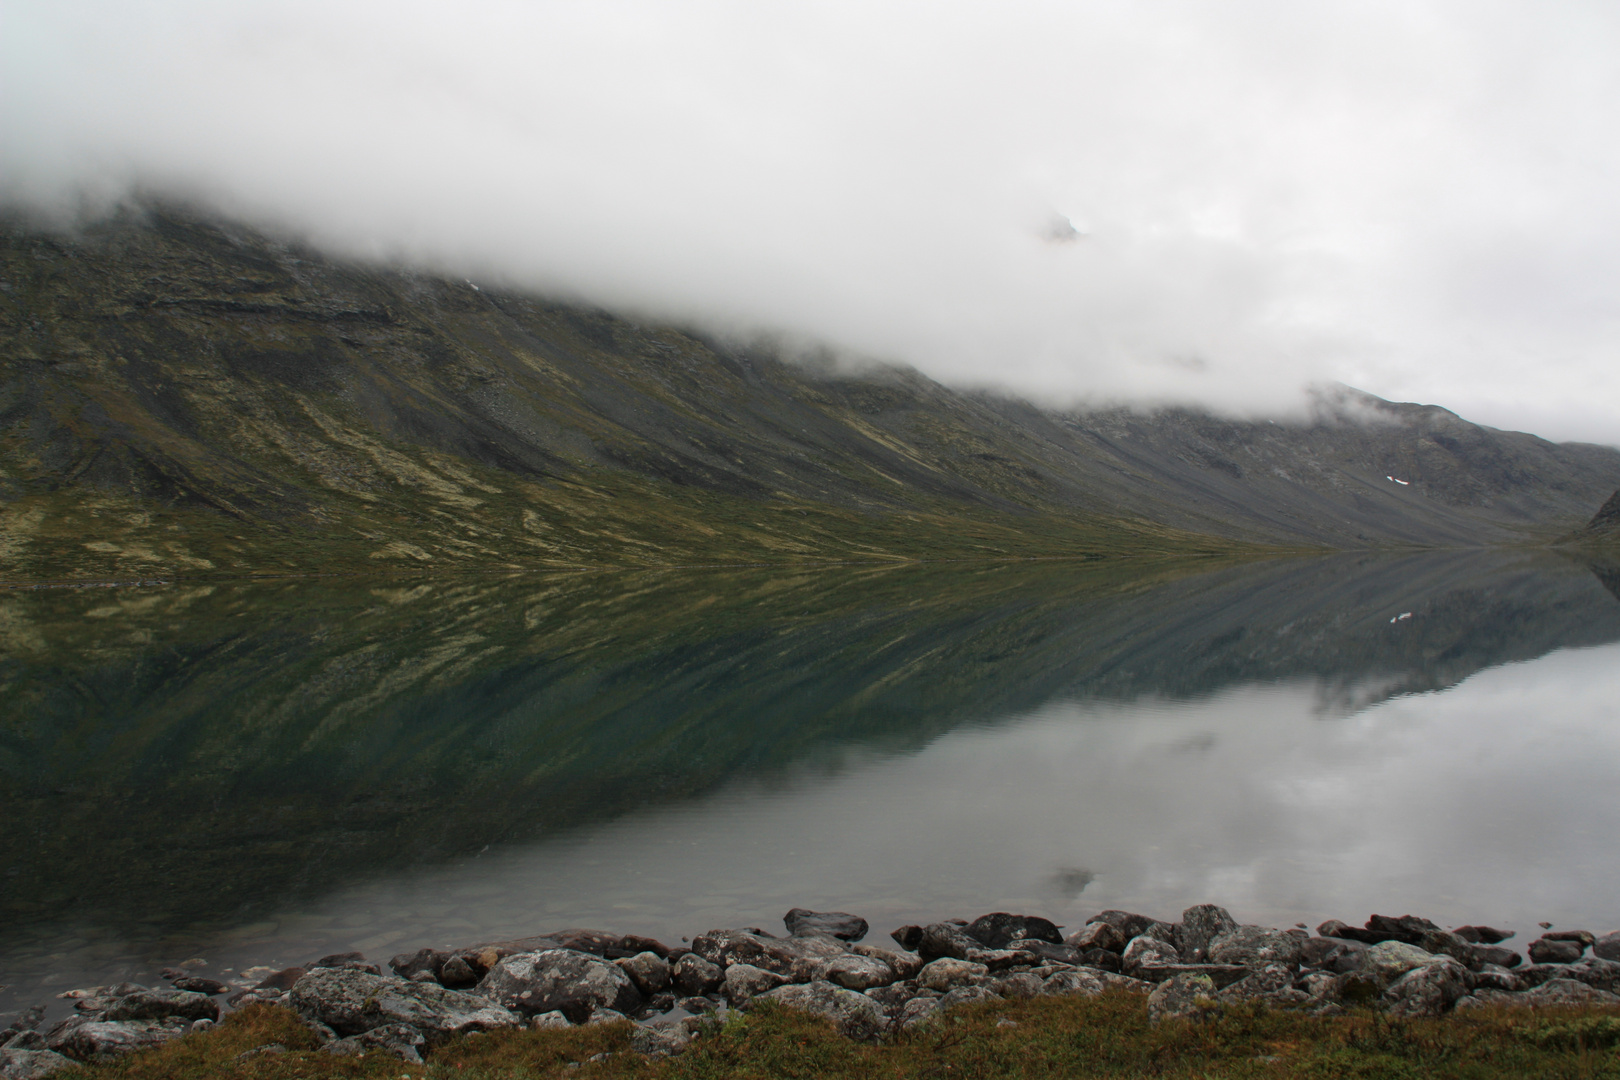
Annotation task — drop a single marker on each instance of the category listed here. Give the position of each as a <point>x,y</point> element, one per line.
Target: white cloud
<point>1417,198</point>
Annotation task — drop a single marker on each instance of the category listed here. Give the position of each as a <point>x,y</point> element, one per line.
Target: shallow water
<point>262,773</point>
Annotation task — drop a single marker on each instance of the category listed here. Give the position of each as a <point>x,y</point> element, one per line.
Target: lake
<point>264,772</point>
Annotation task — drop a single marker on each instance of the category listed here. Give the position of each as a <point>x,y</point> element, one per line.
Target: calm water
<point>261,773</point>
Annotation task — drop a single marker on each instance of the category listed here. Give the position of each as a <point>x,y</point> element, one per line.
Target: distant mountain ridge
<point>188,396</point>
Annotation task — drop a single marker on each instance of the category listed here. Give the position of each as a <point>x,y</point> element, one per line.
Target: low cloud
<point>1416,198</point>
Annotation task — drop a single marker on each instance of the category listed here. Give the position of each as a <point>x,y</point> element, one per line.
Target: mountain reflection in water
<point>267,771</point>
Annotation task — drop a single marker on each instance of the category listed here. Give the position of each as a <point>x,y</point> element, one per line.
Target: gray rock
<point>91,1040</point>
<point>1318,985</point>
<point>1199,926</point>
<point>550,1021</point>
<point>596,942</point>
<point>573,982</point>
<point>1080,982</point>
<point>350,1001</point>
<point>727,947</point>
<point>1097,935</point>
<point>457,973</point>
<point>1562,992</point>
<point>947,973</point>
<point>410,965</point>
<point>659,1040</point>
<point>1020,984</point>
<point>1346,956</point>
<point>854,972</point>
<point>1607,947</point>
<point>1147,951</point>
<point>1584,938</point>
<point>24,1040</point>
<point>918,1012</point>
<point>1445,943</point>
<point>801,922</point>
<point>600,1015</point>
<point>695,976</point>
<point>695,1005</point>
<point>1389,960</point>
<point>1129,924</point>
<point>744,981</point>
<point>161,1005</point>
<point>1190,997</point>
<point>649,971</point>
<point>1048,952</point>
<point>1428,990</point>
<point>1492,977</point>
<point>1255,945</point>
<point>1485,995</point>
<point>1266,982</point>
<point>1594,971</point>
<point>1000,930</point>
<point>905,965</point>
<point>198,985</point>
<point>947,939</point>
<point>401,1040</point>
<point>854,1015</point>
<point>1544,951</point>
<point>32,1064</point>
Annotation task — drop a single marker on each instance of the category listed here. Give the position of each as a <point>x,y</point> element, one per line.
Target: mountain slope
<point>181,396</point>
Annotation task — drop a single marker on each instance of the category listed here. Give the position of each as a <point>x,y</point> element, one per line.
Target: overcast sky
<point>1420,198</point>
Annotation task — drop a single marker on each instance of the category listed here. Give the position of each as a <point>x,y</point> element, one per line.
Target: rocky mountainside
<point>180,396</point>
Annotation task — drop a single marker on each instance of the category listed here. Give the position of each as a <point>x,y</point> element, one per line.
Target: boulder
<point>1428,990</point>
<point>350,1001</point>
<point>854,1015</point>
<point>198,985</point>
<point>1607,947</point>
<point>968,995</point>
<point>947,973</point>
<point>91,1040</point>
<point>1495,977</point>
<point>745,981</point>
<point>1333,928</point>
<point>1102,960</point>
<point>162,1005</point>
<point>659,1039</point>
<point>695,976</point>
<point>1551,951</point>
<point>286,977</point>
<point>855,972</point>
<point>999,930</point>
<point>1495,954</point>
<point>802,922</point>
<point>1080,982</point>
<point>1407,928</point>
<point>1566,992</point>
<point>1129,924</point>
<point>596,942</point>
<point>1146,952</point>
<point>1585,937</point>
<point>1187,996</point>
<point>1199,926</point>
<point>905,965</point>
<point>1389,960</point>
<point>1269,983</point>
<point>1097,935</point>
<point>1046,951</point>
<point>1255,945</point>
<point>907,937</point>
<point>32,1064</point>
<point>401,1040</point>
<point>572,982</point>
<point>917,1012</point>
<point>1018,985</point>
<point>727,947</point>
<point>1594,971</point>
<point>410,965</point>
<point>1482,935</point>
<point>648,970</point>
<point>1445,943</point>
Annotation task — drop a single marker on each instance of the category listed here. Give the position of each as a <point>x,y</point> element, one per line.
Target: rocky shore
<point>1193,968</point>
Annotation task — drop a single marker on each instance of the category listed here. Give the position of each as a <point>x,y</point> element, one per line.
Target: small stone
<point>550,1021</point>
<point>836,924</point>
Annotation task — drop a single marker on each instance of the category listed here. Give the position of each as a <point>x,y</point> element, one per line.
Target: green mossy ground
<point>1067,1038</point>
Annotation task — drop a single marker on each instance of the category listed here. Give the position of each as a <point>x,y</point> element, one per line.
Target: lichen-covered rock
<point>1079,982</point>
<point>1255,945</point>
<point>947,973</point>
<point>1562,992</point>
<point>1595,971</point>
<point>1019,984</point>
<point>1200,925</point>
<point>1445,943</point>
<point>350,1001</point>
<point>1269,983</point>
<point>648,970</point>
<point>1000,930</point>
<point>1097,935</point>
<point>917,1012</point>
<point>162,1005</point>
<point>32,1064</point>
<point>854,1015</point>
<point>968,995</point>
<point>574,983</point>
<point>802,922</point>
<point>1492,977</point>
<point>1147,952</point>
<point>1185,996</point>
<point>1428,990</point>
<point>550,1021</point>
<point>1128,923</point>
<point>91,1040</point>
<point>401,1040</point>
<point>660,1039</point>
<point>904,964</point>
<point>1389,960</point>
<point>855,972</point>
<point>744,981</point>
<point>727,947</point>
<point>695,976</point>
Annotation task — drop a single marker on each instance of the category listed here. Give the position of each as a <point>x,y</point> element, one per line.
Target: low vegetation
<point>1046,1037</point>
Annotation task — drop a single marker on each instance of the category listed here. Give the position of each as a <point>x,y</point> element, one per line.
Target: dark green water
<point>259,773</point>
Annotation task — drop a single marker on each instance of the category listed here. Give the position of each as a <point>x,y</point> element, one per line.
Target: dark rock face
<point>199,985</point>
<point>1199,926</point>
<point>1482,935</point>
<point>1545,951</point>
<point>350,1002</point>
<point>1607,947</point>
<point>1000,930</point>
<point>836,924</point>
<point>573,983</point>
<point>1407,928</point>
<point>695,976</point>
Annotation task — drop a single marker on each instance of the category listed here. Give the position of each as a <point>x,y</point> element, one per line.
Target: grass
<point>1045,1037</point>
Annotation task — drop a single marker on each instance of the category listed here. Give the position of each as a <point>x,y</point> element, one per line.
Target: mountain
<point>181,395</point>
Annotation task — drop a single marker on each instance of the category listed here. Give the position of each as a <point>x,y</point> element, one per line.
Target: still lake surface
<point>261,773</point>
